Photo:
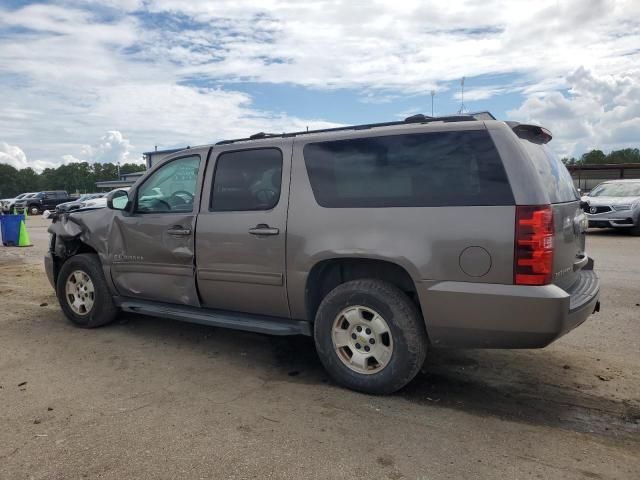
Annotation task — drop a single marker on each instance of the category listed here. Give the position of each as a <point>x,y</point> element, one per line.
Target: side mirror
<point>118,200</point>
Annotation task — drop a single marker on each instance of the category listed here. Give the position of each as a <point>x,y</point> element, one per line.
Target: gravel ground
<point>153,398</point>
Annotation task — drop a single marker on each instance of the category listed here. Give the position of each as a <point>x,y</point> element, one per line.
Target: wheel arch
<point>63,250</point>
<point>327,274</point>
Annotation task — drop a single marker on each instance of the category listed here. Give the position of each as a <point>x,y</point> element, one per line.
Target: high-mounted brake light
<point>533,133</point>
<point>533,259</point>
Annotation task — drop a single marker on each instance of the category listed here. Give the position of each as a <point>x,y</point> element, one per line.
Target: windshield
<point>621,189</point>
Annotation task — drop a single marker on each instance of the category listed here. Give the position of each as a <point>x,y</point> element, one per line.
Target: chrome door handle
<point>178,231</point>
<point>263,229</point>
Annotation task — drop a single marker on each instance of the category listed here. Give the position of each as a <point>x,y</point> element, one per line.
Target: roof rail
<point>418,118</point>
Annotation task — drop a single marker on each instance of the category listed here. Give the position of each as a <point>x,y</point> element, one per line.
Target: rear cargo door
<point>569,220</point>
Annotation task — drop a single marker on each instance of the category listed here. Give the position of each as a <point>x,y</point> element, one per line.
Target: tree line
<point>626,155</point>
<point>74,177</point>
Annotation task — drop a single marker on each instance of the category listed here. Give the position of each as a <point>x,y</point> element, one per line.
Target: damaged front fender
<point>81,231</point>
<point>91,228</point>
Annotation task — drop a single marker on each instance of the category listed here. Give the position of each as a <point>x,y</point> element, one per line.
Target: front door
<point>240,246</point>
<point>152,247</point>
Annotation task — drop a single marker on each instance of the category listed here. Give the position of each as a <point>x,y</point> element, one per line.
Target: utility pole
<point>462,96</point>
<point>433,94</point>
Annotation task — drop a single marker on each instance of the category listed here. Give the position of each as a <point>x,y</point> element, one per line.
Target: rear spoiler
<point>533,133</point>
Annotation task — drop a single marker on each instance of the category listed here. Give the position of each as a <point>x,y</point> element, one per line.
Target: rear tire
<point>370,337</point>
<point>83,292</point>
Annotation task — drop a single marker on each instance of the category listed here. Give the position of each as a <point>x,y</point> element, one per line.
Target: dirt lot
<point>152,398</point>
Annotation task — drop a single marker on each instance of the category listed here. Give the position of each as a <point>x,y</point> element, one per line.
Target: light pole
<point>462,96</point>
<point>433,94</point>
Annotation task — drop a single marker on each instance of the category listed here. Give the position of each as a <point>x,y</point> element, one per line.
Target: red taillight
<point>533,263</point>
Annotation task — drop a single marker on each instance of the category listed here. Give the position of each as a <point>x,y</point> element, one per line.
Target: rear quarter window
<point>413,170</point>
<point>556,179</point>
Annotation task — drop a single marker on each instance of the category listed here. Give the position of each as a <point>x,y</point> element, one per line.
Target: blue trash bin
<point>10,226</point>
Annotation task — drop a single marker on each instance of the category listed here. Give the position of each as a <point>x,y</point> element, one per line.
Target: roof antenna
<point>461,96</point>
<point>307,128</point>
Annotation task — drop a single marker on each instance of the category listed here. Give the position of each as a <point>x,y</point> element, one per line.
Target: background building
<point>587,176</point>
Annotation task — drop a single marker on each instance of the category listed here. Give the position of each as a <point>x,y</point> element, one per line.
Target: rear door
<point>240,244</point>
<point>569,220</point>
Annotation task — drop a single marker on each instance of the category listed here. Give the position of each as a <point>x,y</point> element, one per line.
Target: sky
<point>83,80</point>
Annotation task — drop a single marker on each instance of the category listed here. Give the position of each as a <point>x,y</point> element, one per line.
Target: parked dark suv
<point>42,201</point>
<point>377,240</point>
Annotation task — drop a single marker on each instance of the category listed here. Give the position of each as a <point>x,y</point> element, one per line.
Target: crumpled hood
<point>92,226</point>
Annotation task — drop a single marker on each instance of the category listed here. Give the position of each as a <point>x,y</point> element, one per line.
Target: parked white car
<point>7,204</point>
<point>100,202</point>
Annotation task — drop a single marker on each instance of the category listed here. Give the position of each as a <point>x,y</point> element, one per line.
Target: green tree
<point>105,171</point>
<point>8,181</point>
<point>132,167</point>
<point>569,160</point>
<point>626,155</point>
<point>594,156</point>
<point>27,180</point>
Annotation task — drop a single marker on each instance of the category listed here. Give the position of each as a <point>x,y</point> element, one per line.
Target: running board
<point>217,318</point>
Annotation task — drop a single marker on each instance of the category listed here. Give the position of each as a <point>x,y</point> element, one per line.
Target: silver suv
<point>377,240</point>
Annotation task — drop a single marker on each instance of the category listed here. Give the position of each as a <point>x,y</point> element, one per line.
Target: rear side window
<point>247,180</point>
<point>414,170</point>
<point>556,179</point>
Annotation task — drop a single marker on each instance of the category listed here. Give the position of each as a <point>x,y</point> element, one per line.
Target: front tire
<point>34,210</point>
<point>83,292</point>
<point>370,337</point>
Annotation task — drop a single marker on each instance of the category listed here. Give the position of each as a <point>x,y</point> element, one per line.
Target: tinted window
<point>416,170</point>
<point>556,179</point>
<point>171,188</point>
<point>247,180</point>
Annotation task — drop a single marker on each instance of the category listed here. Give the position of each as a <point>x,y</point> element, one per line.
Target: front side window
<point>247,180</point>
<point>171,188</point>
<point>412,170</point>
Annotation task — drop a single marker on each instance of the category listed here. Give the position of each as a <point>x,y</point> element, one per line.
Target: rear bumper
<point>477,315</point>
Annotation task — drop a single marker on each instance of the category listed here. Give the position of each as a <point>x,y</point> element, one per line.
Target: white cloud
<point>70,73</point>
<point>112,148</point>
<point>597,112</point>
<point>12,155</point>
<point>479,93</point>
<point>410,46</point>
